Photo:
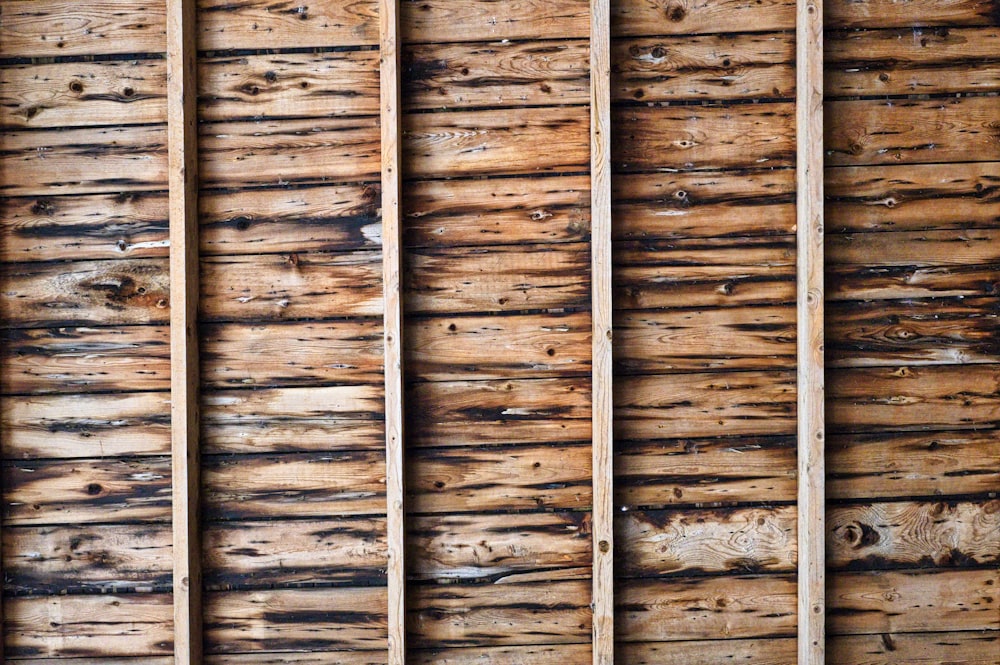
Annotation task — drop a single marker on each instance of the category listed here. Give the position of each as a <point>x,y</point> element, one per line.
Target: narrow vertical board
<point>389,76</point>
<point>811,430</point>
<point>183,211</point>
<point>600,204</point>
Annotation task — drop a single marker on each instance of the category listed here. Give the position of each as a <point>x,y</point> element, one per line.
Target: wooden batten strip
<point>811,427</point>
<point>389,66</point>
<point>183,210</point>
<point>600,204</point>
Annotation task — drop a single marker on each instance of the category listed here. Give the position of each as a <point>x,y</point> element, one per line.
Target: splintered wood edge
<point>811,428</point>
<point>184,430</point>
<point>391,159</point>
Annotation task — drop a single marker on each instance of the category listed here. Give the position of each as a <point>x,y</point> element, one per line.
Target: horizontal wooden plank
<point>293,485</point>
<point>101,226</point>
<point>484,20</point>
<point>956,129</point>
<point>664,17</point>
<point>969,648</point>
<point>103,626</point>
<point>497,347</point>
<point>709,67</point>
<point>295,620</point>
<point>566,654</point>
<point>716,404</point>
<point>84,161</point>
<point>760,651</point>
<point>266,24</point>
<point>86,292</point>
<point>706,608</point>
<point>86,490</point>
<point>117,660</point>
<point>82,425</point>
<point>274,287</point>
<point>33,28</point>
<point>912,464</point>
<point>914,13</point>
<point>292,419</point>
<point>81,360</point>
<point>496,212</point>
<point>682,542</point>
<point>912,61</point>
<point>915,248</point>
<point>517,141</point>
<point>865,603</point>
<point>452,615</point>
<point>491,478</point>
<point>686,138</point>
<point>461,413</point>
<point>290,354</point>
<point>504,73</point>
<point>83,93</point>
<point>283,152</point>
<point>288,85</point>
<point>361,657</point>
<point>938,331</point>
<point>660,341</point>
<point>906,282</point>
<point>932,397</point>
<point>912,197</point>
<point>497,279</point>
<point>102,558</point>
<point>897,535</point>
<point>502,548</point>
<point>663,473</point>
<point>679,205</point>
<point>328,550</point>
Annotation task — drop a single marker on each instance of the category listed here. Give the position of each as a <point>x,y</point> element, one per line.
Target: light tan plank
<point>484,20</point>
<point>969,648</point>
<point>266,24</point>
<point>914,13</point>
<point>663,17</point>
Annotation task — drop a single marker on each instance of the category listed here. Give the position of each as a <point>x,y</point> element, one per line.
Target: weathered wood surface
<point>686,17</point>
<point>117,660</point>
<point>86,490</point>
<point>960,648</point>
<point>295,620</point>
<point>715,204</point>
<point>329,550</point>
<point>33,28</point>
<point>293,485</point>
<point>83,93</point>
<point>504,73</point>
<point>948,248</point>
<point>913,601</point>
<point>82,360</point>
<point>291,354</point>
<point>484,20</point>
<point>706,608</point>
<point>498,347</point>
<point>704,137</point>
<point>693,340</point>
<point>288,85</point>
<point>709,67</point>
<point>105,626</point>
<point>938,331</point>
<point>359,657</point>
<point>81,425</point>
<point>664,473</point>
<point>469,143</point>
<point>926,397</point>
<point>913,534</point>
<point>684,542</point>
<point>84,161</point>
<point>266,24</point>
<point>290,286</point>
<point>101,558</point>
<point>710,404</point>
<point>919,13</point>
<point>928,464</point>
<point>491,478</point>
<point>459,413</point>
<point>760,651</point>
<point>912,61</point>
<point>567,654</point>
<point>861,132</point>
<point>913,197</point>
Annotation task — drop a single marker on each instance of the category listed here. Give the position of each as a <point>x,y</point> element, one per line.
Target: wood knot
<point>676,13</point>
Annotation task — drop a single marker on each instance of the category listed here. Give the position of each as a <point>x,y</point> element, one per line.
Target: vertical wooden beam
<point>600,213</point>
<point>811,425</point>
<point>393,321</point>
<point>184,416</point>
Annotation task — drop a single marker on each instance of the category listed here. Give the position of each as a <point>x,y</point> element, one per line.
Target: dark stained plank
<point>684,17</point>
<point>914,13</point>
<point>278,24</point>
<point>485,20</point>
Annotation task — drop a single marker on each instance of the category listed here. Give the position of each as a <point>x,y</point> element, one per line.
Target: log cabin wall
<point>497,332</point>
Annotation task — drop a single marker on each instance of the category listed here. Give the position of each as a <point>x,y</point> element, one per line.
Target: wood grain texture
<point>568,654</point>
<point>686,17</point>
<point>360,657</point>
<point>761,651</point>
<point>916,248</point>
<point>83,93</point>
<point>265,24</point>
<point>484,20</point>
<point>961,648</point>
<point>920,13</point>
